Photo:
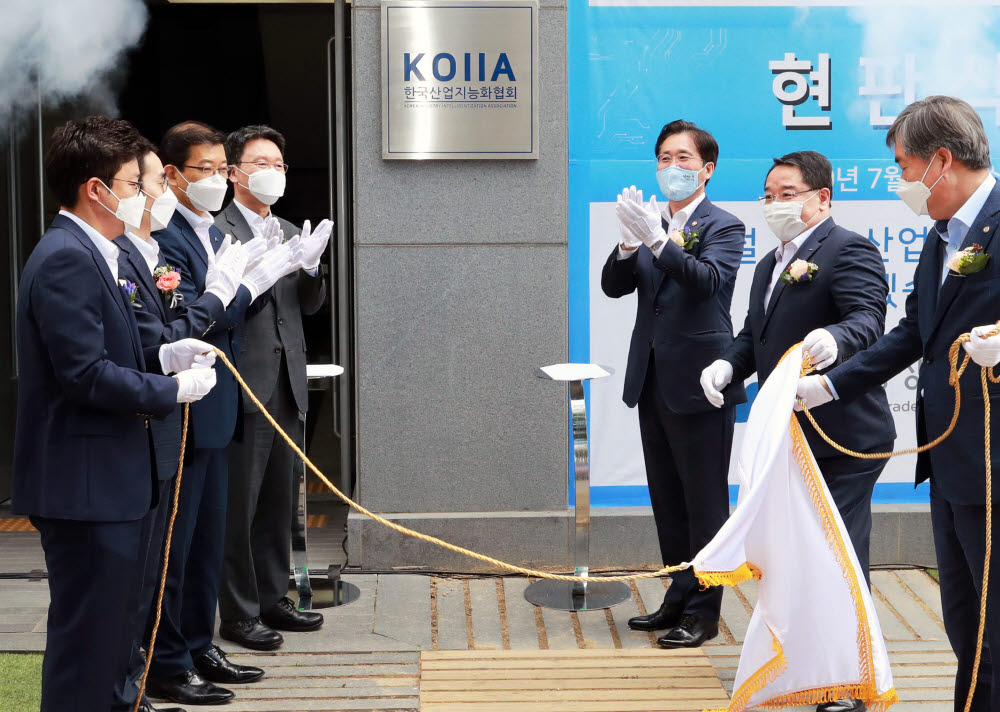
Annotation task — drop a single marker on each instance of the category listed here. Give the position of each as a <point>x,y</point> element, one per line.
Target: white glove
<point>313,243</point>
<point>812,390</point>
<point>822,348</point>
<point>225,271</point>
<point>629,241</point>
<point>181,355</point>
<point>984,351</point>
<point>643,221</point>
<point>194,384</point>
<point>716,376</point>
<point>272,266</point>
<point>295,251</point>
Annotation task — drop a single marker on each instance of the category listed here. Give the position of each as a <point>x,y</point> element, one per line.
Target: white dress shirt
<point>255,221</point>
<point>784,254</point>
<point>108,249</point>
<point>149,249</point>
<point>961,221</point>
<point>200,224</point>
<point>676,221</point>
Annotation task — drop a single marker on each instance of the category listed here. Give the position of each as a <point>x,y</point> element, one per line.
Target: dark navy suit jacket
<point>847,297</point>
<point>159,324</point>
<point>214,417</point>
<point>683,309</point>
<point>82,447</point>
<point>936,314</point>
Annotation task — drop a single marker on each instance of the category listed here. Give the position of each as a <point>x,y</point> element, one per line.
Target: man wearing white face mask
<point>682,262</point>
<point>944,153</point>
<point>186,663</point>
<point>824,286</point>
<point>253,604</point>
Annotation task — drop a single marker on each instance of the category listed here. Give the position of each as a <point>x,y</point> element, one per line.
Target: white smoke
<point>932,48</point>
<point>64,49</point>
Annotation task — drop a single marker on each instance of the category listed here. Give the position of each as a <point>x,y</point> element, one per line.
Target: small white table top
<point>323,370</point>
<point>574,371</point>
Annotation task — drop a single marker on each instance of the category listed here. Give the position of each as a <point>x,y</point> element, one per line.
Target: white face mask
<point>162,210</point>
<point>785,218</point>
<point>129,210</point>
<point>915,194</point>
<point>266,186</point>
<point>206,194</point>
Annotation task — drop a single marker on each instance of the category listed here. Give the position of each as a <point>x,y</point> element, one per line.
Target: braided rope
<point>166,559</point>
<point>425,537</point>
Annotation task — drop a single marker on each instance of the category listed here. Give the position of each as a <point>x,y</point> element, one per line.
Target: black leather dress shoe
<point>145,706</point>
<point>666,617</point>
<point>842,706</point>
<point>214,666</point>
<point>188,688</point>
<point>690,632</point>
<point>285,616</point>
<point>251,633</point>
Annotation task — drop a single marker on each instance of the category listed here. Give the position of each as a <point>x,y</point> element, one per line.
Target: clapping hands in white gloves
<point>716,376</point>
<point>629,241</point>
<point>274,264</point>
<point>984,350</point>
<point>313,243</point>
<point>271,236</point>
<point>813,392</point>
<point>225,270</point>
<point>643,221</point>
<point>822,348</point>
<point>185,354</point>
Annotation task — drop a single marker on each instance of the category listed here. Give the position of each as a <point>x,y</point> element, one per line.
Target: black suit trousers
<point>94,572</point>
<point>187,625</point>
<point>262,469</point>
<point>960,543</point>
<point>687,468</point>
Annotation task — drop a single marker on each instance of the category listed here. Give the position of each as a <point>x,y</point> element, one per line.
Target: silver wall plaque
<point>459,79</point>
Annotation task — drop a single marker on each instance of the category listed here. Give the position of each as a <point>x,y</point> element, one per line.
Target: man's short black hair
<point>815,168</point>
<point>706,144</point>
<point>96,147</point>
<point>238,139</point>
<point>178,140</point>
<point>144,149</point>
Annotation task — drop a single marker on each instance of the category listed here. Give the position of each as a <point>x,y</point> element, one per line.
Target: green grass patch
<point>20,682</point>
<point>933,574</point>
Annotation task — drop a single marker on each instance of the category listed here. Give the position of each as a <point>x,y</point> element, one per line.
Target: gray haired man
<point>942,149</point>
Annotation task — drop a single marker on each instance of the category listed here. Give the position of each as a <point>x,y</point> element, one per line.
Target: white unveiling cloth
<point>814,636</point>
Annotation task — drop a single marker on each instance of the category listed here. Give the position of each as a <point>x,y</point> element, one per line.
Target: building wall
<point>460,271</point>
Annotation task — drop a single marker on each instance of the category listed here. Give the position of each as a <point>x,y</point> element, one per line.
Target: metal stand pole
<point>578,595</point>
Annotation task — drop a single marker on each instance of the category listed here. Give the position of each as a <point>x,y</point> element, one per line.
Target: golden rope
<point>954,376</point>
<point>425,537</point>
<point>166,558</point>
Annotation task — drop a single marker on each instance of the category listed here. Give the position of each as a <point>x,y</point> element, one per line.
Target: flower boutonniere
<point>968,261</point>
<point>799,271</point>
<point>167,280</point>
<point>130,289</point>
<point>686,238</point>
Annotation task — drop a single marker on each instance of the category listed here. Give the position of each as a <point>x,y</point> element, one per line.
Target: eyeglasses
<point>782,197</point>
<point>208,170</point>
<point>165,183</point>
<point>264,165</point>
<point>135,184</point>
<point>681,159</point>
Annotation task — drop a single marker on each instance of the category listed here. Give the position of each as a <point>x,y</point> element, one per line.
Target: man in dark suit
<point>836,311</point>
<point>87,391</point>
<point>185,662</point>
<point>943,151</point>
<point>163,317</point>
<point>252,601</point>
<point>683,264</point>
